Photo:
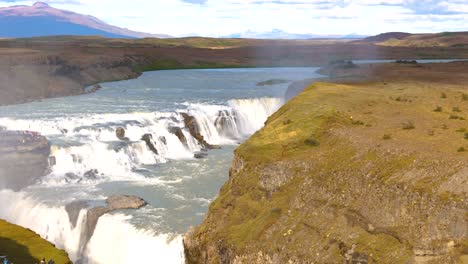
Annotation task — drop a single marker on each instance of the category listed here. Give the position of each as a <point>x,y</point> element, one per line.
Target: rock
<point>272,82</point>
<point>191,123</point>
<point>91,174</point>
<point>120,133</point>
<point>94,88</point>
<point>148,139</point>
<point>116,202</point>
<point>200,155</point>
<point>24,158</point>
<point>163,140</point>
<point>177,131</point>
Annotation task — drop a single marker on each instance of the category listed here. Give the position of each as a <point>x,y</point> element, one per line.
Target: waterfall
<point>85,148</point>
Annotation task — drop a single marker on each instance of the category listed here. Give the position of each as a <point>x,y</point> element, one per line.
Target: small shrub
<point>461,149</point>
<point>357,122</point>
<point>456,109</point>
<point>312,142</point>
<point>464,97</point>
<point>431,132</point>
<point>466,136</point>
<point>461,130</point>
<point>444,126</point>
<point>287,122</point>
<point>276,210</point>
<point>443,95</point>
<point>456,117</point>
<point>387,137</point>
<point>438,109</point>
<point>408,125</point>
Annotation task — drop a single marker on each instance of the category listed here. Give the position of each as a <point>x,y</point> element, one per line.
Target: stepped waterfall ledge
<point>169,142</point>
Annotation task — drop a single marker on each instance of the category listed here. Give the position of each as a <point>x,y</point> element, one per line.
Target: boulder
<point>200,155</point>
<point>120,133</point>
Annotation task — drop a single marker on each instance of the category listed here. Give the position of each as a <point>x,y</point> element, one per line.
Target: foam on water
<point>114,239</point>
<point>86,149</point>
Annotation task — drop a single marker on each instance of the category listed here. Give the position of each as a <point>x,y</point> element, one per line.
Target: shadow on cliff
<point>16,253</point>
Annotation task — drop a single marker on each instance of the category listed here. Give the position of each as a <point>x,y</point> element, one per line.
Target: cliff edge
<point>372,171</point>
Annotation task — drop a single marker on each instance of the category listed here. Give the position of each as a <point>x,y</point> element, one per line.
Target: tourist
<point>43,261</point>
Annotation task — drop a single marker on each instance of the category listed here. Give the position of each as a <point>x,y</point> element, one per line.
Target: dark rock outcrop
<point>191,123</point>
<point>200,155</point>
<point>177,131</point>
<point>23,158</point>
<point>148,139</point>
<point>120,134</point>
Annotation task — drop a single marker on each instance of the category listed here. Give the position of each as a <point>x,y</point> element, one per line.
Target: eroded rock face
<point>354,198</point>
<point>113,203</point>
<point>177,131</point>
<point>148,139</point>
<point>191,124</point>
<point>23,158</point>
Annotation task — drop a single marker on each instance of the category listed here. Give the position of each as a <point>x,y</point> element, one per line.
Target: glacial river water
<point>92,163</point>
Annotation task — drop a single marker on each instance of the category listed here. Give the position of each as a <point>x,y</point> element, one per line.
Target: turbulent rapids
<point>166,137</point>
<point>86,149</point>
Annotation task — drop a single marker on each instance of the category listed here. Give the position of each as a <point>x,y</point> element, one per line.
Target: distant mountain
<point>399,39</point>
<point>386,36</point>
<point>41,19</point>
<point>279,34</point>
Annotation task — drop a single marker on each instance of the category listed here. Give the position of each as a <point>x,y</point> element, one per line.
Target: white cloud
<point>223,17</point>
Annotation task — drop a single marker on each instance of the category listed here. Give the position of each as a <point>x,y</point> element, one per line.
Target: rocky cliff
<point>363,172</point>
<point>23,158</point>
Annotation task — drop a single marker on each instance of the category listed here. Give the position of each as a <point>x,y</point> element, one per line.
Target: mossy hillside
<point>21,245</point>
<point>341,195</point>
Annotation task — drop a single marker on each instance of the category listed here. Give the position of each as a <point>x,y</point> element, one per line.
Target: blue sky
<point>224,17</point>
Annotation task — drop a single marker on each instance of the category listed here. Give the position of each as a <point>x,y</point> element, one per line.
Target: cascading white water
<point>53,224</point>
<point>87,151</point>
<point>91,163</point>
<point>93,153</point>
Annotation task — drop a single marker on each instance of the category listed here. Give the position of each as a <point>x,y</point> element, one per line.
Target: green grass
<point>326,148</point>
<point>22,246</point>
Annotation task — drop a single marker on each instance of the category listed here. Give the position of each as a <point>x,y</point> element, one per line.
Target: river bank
<point>21,245</point>
<point>38,68</point>
<point>367,170</point>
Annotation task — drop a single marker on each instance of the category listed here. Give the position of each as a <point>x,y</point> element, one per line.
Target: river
<point>92,163</point>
